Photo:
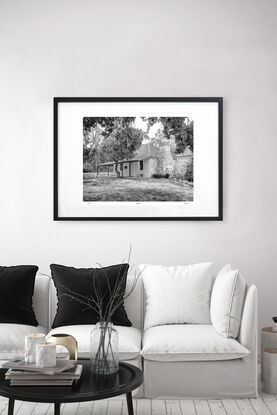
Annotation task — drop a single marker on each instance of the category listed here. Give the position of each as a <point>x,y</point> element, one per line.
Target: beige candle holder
<point>68,341</point>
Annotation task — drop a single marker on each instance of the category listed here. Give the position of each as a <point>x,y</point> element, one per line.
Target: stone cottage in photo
<point>151,160</point>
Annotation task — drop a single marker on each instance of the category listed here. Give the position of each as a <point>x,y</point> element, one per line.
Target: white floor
<point>264,405</point>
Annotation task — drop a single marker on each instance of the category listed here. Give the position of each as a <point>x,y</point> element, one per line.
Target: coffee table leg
<point>57,408</point>
<point>11,406</point>
<point>130,403</point>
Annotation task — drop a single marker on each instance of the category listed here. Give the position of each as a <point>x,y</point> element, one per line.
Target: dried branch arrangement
<point>105,304</point>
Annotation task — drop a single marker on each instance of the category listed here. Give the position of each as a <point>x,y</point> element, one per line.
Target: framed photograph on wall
<point>138,158</point>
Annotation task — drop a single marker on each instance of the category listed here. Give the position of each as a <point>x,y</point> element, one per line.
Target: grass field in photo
<point>103,188</point>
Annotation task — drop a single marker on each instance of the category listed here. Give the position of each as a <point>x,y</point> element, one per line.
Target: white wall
<point>141,48</point>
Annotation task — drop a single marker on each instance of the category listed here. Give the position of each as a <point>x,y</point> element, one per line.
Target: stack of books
<point>28,374</point>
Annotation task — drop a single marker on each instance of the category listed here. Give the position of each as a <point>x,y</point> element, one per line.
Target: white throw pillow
<point>227,302</point>
<point>177,294</point>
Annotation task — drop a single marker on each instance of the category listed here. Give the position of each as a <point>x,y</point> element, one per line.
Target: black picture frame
<point>59,100</point>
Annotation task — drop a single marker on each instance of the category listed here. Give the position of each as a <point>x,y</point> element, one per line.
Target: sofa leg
<point>11,406</point>
<point>130,403</point>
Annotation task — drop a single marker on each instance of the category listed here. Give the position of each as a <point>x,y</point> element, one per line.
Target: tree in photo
<point>91,147</point>
<point>181,128</point>
<point>122,143</point>
<point>96,131</point>
<point>106,124</point>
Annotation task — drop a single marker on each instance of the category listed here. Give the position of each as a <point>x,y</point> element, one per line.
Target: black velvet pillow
<point>69,280</point>
<point>16,292</point>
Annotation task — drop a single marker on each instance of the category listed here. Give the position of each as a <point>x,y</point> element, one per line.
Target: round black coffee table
<point>89,388</point>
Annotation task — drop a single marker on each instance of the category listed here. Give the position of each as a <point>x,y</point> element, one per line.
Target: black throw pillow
<point>16,292</point>
<point>69,280</point>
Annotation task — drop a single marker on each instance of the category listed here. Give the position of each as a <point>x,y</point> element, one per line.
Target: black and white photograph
<point>138,159</point>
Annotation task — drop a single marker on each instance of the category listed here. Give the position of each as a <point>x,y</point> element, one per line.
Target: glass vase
<point>104,349</point>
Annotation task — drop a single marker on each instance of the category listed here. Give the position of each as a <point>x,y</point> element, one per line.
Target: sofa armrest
<point>249,322</point>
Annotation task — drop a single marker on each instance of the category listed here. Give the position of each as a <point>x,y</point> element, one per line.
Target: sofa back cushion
<point>227,302</point>
<point>132,304</point>
<point>177,294</point>
<point>41,299</point>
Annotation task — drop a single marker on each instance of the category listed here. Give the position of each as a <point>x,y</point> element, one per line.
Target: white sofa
<point>179,361</point>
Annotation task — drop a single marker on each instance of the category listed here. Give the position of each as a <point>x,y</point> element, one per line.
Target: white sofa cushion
<point>12,339</point>
<point>189,342</point>
<point>177,294</point>
<point>129,339</point>
<point>227,302</point>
